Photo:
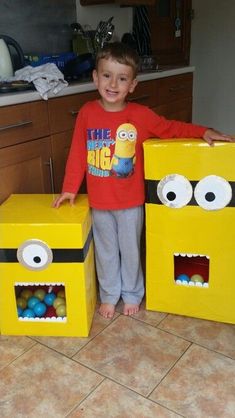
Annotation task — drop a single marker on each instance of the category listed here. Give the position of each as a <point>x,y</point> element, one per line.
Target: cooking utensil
<point>104,33</point>
<point>13,86</point>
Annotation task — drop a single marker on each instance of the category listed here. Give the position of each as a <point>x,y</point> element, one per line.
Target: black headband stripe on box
<point>152,197</point>
<point>60,255</point>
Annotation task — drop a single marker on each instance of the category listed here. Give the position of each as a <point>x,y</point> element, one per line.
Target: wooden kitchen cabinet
<point>64,110</point>
<point>25,168</point>
<point>25,154</point>
<point>23,122</point>
<point>60,144</point>
<point>169,96</point>
<point>170,26</point>
<point>174,97</point>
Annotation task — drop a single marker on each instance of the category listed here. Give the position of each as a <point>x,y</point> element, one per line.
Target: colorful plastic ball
<point>32,302</point>
<point>61,310</point>
<point>61,293</point>
<point>21,302</point>
<point>50,312</point>
<point>183,277</point>
<point>39,309</point>
<point>57,302</point>
<point>19,311</point>
<point>49,298</point>
<point>26,294</point>
<point>197,278</point>
<point>40,294</point>
<point>28,313</point>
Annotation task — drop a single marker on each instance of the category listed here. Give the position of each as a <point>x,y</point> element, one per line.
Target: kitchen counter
<point>81,87</point>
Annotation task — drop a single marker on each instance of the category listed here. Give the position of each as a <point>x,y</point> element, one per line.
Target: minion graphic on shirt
<point>123,161</point>
<point>111,156</point>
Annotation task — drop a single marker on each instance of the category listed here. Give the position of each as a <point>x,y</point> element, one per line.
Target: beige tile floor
<point>149,365</point>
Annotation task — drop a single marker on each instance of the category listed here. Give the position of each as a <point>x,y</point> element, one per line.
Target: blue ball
<point>49,298</point>
<point>32,302</point>
<point>19,311</point>
<point>28,313</point>
<point>39,309</point>
<point>183,277</point>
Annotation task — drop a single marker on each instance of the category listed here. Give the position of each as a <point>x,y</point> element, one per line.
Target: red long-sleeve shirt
<point>107,146</point>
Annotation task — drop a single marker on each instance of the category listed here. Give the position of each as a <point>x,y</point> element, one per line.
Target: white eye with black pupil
<point>174,191</point>
<point>122,135</point>
<point>213,192</point>
<point>131,136</point>
<point>34,255</point>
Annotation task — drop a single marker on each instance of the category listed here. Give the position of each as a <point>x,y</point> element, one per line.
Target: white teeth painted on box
<point>38,284</point>
<point>190,255</point>
<point>52,319</point>
<point>191,284</point>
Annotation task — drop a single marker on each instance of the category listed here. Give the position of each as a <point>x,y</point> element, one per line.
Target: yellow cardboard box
<point>47,249</point>
<point>190,228</point>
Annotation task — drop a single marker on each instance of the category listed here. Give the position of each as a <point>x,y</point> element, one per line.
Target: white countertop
<point>81,87</point>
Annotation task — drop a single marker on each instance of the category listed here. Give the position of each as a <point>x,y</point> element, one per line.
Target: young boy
<point>107,145</point>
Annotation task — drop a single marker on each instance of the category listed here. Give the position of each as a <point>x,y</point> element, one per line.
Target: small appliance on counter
<point>11,56</point>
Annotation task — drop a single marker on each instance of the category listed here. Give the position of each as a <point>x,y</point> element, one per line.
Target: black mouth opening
<point>191,269</point>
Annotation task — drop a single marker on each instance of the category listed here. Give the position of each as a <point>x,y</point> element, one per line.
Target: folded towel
<point>47,78</point>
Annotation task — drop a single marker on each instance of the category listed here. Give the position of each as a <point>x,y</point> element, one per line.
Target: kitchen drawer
<point>23,122</point>
<point>64,110</point>
<point>174,88</point>
<point>145,93</point>
<point>178,110</point>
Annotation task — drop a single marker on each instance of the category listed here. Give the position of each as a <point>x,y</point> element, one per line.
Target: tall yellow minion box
<point>48,284</point>
<point>190,228</point>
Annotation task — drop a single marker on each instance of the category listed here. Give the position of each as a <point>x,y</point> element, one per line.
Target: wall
<point>212,53</point>
<point>93,14</point>
<point>43,26</point>
<point>39,26</point>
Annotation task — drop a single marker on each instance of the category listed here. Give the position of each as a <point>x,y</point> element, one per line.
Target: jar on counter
<point>81,41</point>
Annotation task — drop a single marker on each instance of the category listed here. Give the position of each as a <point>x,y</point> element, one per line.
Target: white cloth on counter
<point>47,78</point>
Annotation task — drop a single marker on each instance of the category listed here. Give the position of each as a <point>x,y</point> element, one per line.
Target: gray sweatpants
<point>117,236</point>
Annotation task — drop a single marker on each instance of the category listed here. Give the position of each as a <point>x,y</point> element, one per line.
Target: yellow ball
<point>61,310</point>
<point>57,302</point>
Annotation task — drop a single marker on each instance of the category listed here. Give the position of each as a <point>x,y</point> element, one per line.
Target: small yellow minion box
<point>190,228</point>
<point>48,283</point>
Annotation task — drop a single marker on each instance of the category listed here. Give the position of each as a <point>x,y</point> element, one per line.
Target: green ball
<point>197,278</point>
<point>61,310</point>
<point>40,294</point>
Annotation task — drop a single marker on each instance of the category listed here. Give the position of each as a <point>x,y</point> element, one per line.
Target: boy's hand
<point>64,196</point>
<point>211,135</point>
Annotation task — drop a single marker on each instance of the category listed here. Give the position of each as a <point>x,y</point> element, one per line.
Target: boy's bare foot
<point>107,310</point>
<point>130,308</point>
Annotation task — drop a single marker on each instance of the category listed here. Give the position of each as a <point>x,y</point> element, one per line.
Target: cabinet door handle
<point>50,165</point>
<point>139,98</point>
<point>74,112</point>
<point>16,125</point>
<point>177,88</point>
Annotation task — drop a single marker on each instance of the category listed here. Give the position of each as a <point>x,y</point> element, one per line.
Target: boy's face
<point>114,81</point>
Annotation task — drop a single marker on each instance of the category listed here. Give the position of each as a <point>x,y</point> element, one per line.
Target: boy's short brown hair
<point>121,53</point>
